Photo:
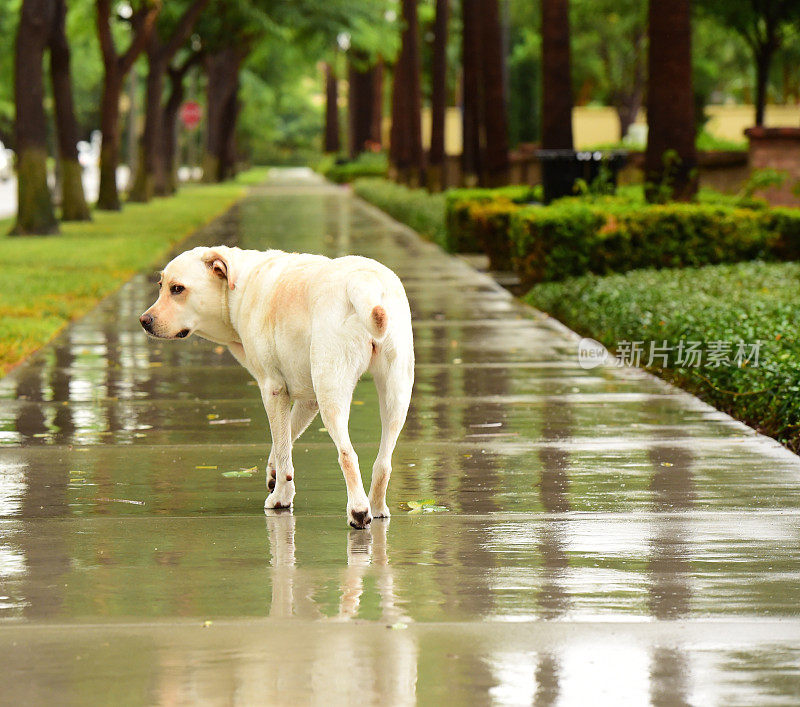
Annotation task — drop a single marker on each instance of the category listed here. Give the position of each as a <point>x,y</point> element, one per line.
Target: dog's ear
<point>220,264</point>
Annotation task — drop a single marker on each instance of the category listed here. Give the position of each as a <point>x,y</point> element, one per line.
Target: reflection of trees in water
<point>547,679</point>
<point>553,599</point>
<point>60,383</point>
<point>47,556</point>
<point>30,419</point>
<point>481,477</point>
<point>672,493</point>
<point>672,488</point>
<point>669,678</point>
<point>46,480</point>
<point>557,425</point>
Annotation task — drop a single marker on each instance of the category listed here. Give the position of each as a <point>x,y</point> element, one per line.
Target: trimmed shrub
<point>461,228</point>
<point>551,243</point>
<point>366,164</point>
<point>489,224</point>
<point>740,303</point>
<point>571,237</point>
<point>679,235</point>
<point>416,208</point>
<point>785,224</point>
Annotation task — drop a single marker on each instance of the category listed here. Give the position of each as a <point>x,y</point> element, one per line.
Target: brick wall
<point>777,148</point>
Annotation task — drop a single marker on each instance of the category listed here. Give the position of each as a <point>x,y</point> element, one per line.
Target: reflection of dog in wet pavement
<point>306,327</point>
<point>294,592</point>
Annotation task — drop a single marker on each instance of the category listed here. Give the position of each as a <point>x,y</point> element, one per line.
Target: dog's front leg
<point>278,407</point>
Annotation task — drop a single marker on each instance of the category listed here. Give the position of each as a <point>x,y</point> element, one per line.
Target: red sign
<point>191,114</point>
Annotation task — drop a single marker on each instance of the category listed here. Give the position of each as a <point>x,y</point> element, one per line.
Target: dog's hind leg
<point>303,413</point>
<point>394,381</point>
<point>334,406</point>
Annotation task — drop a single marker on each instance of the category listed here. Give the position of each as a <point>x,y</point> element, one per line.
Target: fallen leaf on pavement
<point>427,505</point>
<point>242,473</point>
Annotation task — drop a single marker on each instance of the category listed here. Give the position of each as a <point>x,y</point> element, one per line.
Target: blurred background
<point>133,97</point>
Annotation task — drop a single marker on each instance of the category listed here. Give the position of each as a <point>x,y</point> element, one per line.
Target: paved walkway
<point>608,540</point>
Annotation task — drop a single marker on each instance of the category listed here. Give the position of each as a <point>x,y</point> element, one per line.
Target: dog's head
<point>193,295</point>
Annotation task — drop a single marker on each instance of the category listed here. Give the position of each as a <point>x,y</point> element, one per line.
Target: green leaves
<point>241,473</point>
<point>427,505</point>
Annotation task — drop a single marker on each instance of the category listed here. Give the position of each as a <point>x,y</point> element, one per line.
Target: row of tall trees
<point>217,36</point>
<point>412,46</point>
<point>642,48</point>
<point>670,161</point>
<point>485,121</point>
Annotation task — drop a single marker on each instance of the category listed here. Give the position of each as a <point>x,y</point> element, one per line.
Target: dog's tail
<point>366,296</point>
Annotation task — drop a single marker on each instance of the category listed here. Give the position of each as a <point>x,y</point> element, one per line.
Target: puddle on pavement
<point>605,538</point>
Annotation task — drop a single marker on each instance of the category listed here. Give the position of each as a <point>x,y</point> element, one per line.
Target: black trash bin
<point>561,168</point>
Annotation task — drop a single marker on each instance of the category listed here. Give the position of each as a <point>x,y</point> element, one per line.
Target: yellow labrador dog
<point>306,328</point>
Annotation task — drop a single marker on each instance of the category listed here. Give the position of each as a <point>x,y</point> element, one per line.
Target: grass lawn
<point>50,280</point>
<point>745,302</point>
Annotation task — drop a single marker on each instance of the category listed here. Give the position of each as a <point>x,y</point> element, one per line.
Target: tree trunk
<point>472,101</point>
<point>169,127</point>
<point>149,154</point>
<point>332,143</point>
<point>763,62</point>
<point>35,213</point>
<point>169,132</point>
<point>376,127</point>
<point>397,132</point>
<point>626,113</point>
<point>361,103</point>
<point>436,155</point>
<point>556,76</point>
<point>229,156</point>
<point>495,111</point>
<point>116,68</point>
<point>670,161</point>
<point>151,177</point>
<point>631,101</point>
<point>407,103</point>
<point>222,70</point>
<point>108,195</point>
<point>73,200</point>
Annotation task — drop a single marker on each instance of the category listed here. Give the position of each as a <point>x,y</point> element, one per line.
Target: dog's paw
<point>281,497</point>
<point>359,519</point>
<point>379,510</point>
<point>271,474</point>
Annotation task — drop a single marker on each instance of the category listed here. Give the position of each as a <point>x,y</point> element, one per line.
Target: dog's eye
<point>176,289</point>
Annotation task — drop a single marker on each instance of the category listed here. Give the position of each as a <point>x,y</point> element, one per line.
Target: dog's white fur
<point>306,327</point>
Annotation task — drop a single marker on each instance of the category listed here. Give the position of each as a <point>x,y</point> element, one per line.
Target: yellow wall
<point>595,126</point>
<point>729,122</point>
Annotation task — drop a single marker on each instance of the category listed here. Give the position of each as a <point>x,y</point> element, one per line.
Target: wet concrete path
<point>608,539</point>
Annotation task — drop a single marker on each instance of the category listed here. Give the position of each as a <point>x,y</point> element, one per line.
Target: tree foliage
<point>763,24</point>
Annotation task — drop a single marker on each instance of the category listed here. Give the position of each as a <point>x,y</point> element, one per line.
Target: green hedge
<point>614,233</point>
<point>743,302</point>
<point>463,233</point>
<point>365,165</point>
<point>416,208</point>
<point>570,238</point>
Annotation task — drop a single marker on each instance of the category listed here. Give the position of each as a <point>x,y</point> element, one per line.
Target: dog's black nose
<point>147,322</point>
